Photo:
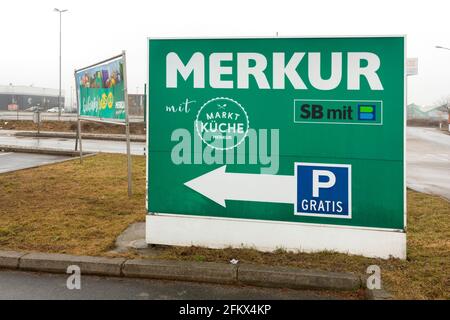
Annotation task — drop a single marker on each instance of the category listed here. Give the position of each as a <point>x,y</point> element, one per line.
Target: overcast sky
<point>94,30</point>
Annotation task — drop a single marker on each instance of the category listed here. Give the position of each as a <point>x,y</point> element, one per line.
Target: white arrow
<point>218,185</point>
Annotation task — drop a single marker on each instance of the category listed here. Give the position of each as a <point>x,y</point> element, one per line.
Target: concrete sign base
<point>270,236</point>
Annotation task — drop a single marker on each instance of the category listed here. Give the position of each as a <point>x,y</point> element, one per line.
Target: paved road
<point>137,148</point>
<point>45,116</point>
<point>11,161</point>
<point>24,285</point>
<point>428,161</point>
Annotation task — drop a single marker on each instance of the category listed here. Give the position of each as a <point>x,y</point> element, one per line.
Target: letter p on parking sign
<point>324,190</point>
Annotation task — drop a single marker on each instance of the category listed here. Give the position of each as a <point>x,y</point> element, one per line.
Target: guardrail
<point>48,116</point>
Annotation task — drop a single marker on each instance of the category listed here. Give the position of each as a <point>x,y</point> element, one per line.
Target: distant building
<point>136,103</point>
<point>20,98</point>
<point>437,113</point>
<point>416,112</point>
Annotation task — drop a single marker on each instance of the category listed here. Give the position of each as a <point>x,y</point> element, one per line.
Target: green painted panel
<point>101,91</point>
<point>252,91</point>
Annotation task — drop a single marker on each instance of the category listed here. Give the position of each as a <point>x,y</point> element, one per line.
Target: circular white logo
<point>222,123</point>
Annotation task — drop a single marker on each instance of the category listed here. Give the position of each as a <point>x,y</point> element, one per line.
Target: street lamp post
<point>441,47</point>
<point>60,38</point>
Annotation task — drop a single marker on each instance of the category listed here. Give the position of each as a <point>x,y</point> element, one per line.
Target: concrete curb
<point>10,259</point>
<point>68,153</point>
<point>89,136</point>
<point>58,263</point>
<point>184,271</point>
<point>379,294</point>
<point>295,278</point>
<point>219,273</point>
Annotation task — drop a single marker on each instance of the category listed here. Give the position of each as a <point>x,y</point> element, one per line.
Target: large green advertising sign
<point>296,130</point>
<point>101,90</point>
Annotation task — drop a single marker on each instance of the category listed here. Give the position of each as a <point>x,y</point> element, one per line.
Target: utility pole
<point>60,40</point>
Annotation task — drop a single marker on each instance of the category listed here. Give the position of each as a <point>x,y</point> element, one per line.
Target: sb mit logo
<point>366,112</point>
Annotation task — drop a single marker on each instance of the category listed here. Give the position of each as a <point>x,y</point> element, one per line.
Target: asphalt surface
<point>45,116</point>
<point>428,161</point>
<point>17,285</point>
<point>11,161</point>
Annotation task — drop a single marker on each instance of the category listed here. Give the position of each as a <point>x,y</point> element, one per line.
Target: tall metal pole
<point>79,139</point>
<point>60,37</point>
<point>60,49</point>
<point>127,125</point>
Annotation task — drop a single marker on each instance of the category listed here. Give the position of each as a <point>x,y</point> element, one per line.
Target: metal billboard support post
<point>127,125</point>
<point>78,116</point>
<point>78,139</point>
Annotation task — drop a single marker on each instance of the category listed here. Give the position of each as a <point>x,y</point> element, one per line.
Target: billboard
<point>100,90</point>
<point>412,66</point>
<point>300,135</point>
<point>102,96</point>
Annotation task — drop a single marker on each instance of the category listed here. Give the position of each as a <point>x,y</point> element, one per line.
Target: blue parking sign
<point>324,190</point>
